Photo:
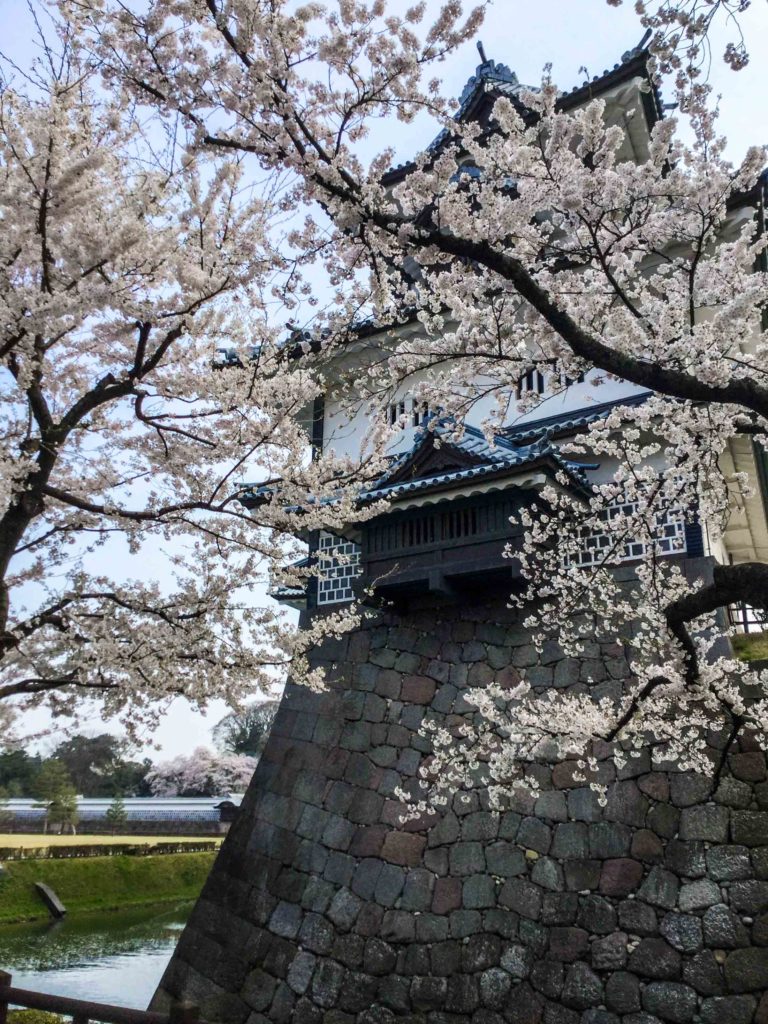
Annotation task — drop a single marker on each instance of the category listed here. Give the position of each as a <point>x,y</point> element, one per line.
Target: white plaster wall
<point>347,424</point>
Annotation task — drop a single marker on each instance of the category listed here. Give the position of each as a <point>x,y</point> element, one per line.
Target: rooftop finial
<point>481,51</point>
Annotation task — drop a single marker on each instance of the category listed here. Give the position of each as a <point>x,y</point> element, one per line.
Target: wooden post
<point>79,1019</point>
<point>181,1013</point>
<point>5,984</point>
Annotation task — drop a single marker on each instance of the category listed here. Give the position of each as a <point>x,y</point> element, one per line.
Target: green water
<point>117,957</point>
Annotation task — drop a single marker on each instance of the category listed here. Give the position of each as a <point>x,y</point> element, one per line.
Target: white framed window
<point>338,565</point>
<point>408,411</point>
<point>532,380</point>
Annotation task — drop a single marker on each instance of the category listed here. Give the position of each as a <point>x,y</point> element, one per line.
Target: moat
<point>113,957</point>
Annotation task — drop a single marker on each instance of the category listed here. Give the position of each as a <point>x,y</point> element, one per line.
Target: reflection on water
<point>116,957</point>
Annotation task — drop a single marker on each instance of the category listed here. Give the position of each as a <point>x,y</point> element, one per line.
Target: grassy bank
<point>29,840</point>
<point>101,883</point>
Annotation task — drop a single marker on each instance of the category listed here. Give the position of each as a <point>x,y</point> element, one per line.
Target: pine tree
<point>116,815</point>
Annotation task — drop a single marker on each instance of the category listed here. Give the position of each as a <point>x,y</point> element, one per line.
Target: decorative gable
<point>431,458</point>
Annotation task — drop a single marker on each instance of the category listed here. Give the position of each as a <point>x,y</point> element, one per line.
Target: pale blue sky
<point>569,34</point>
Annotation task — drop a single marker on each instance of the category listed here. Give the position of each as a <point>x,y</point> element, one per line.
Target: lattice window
<point>596,545</point>
<point>338,565</point>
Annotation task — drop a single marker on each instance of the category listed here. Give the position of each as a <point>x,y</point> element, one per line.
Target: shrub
<point>34,1017</point>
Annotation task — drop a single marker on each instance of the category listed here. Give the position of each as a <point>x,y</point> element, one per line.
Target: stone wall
<point>322,907</point>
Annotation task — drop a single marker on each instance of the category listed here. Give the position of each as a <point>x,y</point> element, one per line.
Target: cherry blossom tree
<point>202,773</point>
<point>560,254</point>
<point>128,261</point>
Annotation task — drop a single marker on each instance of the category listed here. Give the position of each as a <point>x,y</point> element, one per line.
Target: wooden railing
<point>82,1011</point>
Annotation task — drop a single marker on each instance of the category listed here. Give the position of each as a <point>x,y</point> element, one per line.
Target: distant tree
<point>55,793</point>
<point>203,773</point>
<point>99,767</point>
<point>5,813</point>
<point>62,810</point>
<point>18,770</point>
<point>246,731</point>
<point>116,815</point>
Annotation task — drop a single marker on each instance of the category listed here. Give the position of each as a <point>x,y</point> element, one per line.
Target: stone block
<point>699,895</point>
<point>664,820</point>
<point>463,995</point>
<point>610,952</point>
<point>495,985</point>
<point>582,988</point>
<point>685,858</point>
<point>627,804</point>
<point>547,978</point>
<point>708,822</point>
<point>548,874</point>
<point>398,926</point>
<point>571,841</point>
<point>609,839</point>
<point>428,993</point>
<point>339,868</point>
<point>655,958</point>
<point>389,885</point>
<point>534,835</point>
<point>445,958</point>
<point>431,927</point>
<point>723,929</point>
<point>466,858</point>
<point>417,894</point>
<point>522,897</point>
<point>447,895</point>
<point>403,848</point>
<point>728,1010</point>
<point>596,914</point>
<point>683,931</point>
<point>622,992</point>
<point>517,961</point>
<point>552,805</point>
<point>286,920</point>
<point>481,952</point>
<point>326,983</point>
<point>620,876</point>
<point>655,785</point>
<point>670,1000</point>
<point>316,934</point>
<point>583,805</point>
<point>343,909</point>
<point>749,897</point>
<point>568,944</point>
<point>748,767</point>
<point>478,892</point>
<point>746,970</point>
<point>480,825</point>
<point>559,908</point>
<point>300,972</point>
<point>749,828</point>
<point>733,793</point>
<point>647,846</point>
<point>504,859</point>
<point>501,922</point>
<point>703,973</point>
<point>688,788</point>
<point>464,923</point>
<point>417,690</point>
<point>660,888</point>
<point>582,874</point>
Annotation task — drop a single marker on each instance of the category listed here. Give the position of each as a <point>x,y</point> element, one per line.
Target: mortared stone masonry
<point>322,908</point>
